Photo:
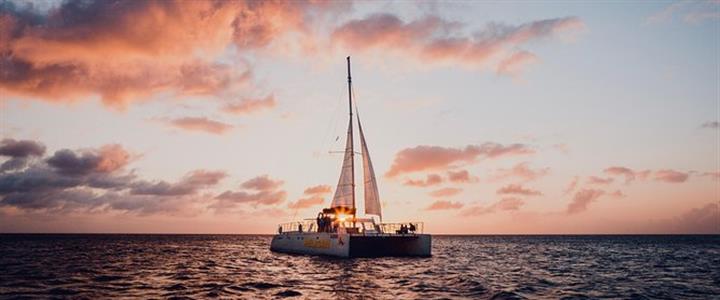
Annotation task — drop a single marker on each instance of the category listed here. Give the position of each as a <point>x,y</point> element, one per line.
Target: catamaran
<point>338,231</point>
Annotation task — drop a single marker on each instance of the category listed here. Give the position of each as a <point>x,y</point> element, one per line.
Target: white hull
<point>352,245</point>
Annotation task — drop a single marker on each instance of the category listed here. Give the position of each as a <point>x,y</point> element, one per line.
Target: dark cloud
<point>21,148</point>
<point>190,184</point>
<point>106,159</point>
<point>261,190</point>
<point>711,125</point>
<point>93,180</point>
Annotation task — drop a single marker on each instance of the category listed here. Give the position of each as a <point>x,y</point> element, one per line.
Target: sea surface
<point>478,267</point>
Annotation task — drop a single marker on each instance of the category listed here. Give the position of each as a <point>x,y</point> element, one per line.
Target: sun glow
<point>342,217</point>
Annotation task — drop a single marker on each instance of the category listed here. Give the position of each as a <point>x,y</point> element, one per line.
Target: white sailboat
<point>337,230</point>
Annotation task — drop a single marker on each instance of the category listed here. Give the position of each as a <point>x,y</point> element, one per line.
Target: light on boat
<point>342,217</point>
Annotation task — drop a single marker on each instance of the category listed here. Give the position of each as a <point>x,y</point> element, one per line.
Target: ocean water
<point>478,267</point>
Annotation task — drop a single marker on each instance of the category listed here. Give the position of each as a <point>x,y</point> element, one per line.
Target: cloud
<point>94,180</point>
<point>514,64</point>
<point>104,160</point>
<point>262,183</point>
<point>582,199</point>
<point>571,186</point>
<point>248,106</point>
<point>444,205</point>
<point>61,55</point>
<point>713,175</point>
<point>462,176</point>
<point>711,125</point>
<point>261,190</point>
<point>432,179</point>
<point>201,124</point>
<point>21,148</point>
<point>306,202</point>
<point>445,192</point>
<point>665,175</point>
<point>190,184</point>
<point>433,39</point>
<point>692,12</point>
<point>521,170</point>
<point>629,174</point>
<point>516,189</point>
<point>318,190</point>
<point>670,176</point>
<point>505,204</point>
<point>701,220</point>
<point>315,196</point>
<point>599,181</point>
<point>422,158</point>
<point>617,194</point>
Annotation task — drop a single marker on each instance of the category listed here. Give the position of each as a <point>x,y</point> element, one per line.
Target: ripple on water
<point>489,267</point>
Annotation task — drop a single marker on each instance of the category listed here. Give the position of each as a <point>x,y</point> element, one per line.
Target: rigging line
<point>331,127</point>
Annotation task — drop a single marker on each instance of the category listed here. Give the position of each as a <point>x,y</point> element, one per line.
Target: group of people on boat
<point>405,229</point>
<point>325,223</point>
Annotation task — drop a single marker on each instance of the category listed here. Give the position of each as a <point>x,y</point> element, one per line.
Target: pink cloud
<point>462,176</point>
<point>444,205</point>
<point>262,183</point>
<point>714,175</point>
<point>318,190</point>
<point>571,186</point>
<point>432,179</point>
<point>599,181</point>
<point>516,63</point>
<point>521,170</point>
<point>434,39</point>
<point>422,158</point>
<point>248,106</point>
<point>306,202</point>
<point>316,196</point>
<point>582,199</point>
<point>445,192</point>
<point>505,204</point>
<point>670,176</point>
<point>200,124</point>
<point>516,189</point>
<point>629,174</point>
<point>155,46</point>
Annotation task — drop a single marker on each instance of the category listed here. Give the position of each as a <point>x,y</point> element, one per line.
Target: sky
<point>512,117</point>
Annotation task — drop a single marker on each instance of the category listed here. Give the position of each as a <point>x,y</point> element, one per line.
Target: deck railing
<point>363,228</point>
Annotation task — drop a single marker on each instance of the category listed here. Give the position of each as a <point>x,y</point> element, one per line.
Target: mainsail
<point>372,197</point>
<point>344,193</point>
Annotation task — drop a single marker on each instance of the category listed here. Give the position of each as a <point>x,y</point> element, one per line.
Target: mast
<point>350,136</point>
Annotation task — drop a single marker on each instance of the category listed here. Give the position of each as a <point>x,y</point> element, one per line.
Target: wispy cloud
<point>422,158</point>
<point>434,39</point>
<point>201,124</point>
<point>505,204</point>
<point>582,199</point>
<point>432,179</point>
<point>444,205</point>
<point>249,105</point>
<point>445,192</point>
<point>516,189</point>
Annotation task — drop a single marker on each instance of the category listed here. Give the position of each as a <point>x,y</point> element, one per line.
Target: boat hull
<point>353,245</point>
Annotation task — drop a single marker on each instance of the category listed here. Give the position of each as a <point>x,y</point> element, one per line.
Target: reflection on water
<point>497,267</point>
